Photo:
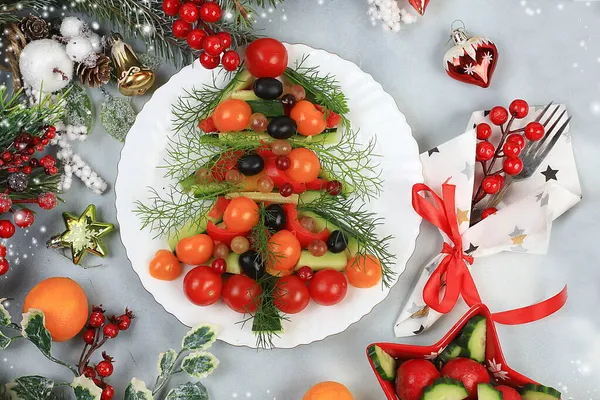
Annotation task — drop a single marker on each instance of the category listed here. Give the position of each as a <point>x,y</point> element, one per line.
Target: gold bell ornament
<point>133,77</point>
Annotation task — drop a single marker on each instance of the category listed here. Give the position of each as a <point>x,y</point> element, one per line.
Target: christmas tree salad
<point>268,213</point>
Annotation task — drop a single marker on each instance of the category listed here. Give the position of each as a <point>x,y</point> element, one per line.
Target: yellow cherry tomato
<point>165,266</point>
<point>310,121</point>
<point>304,165</point>
<point>241,215</point>
<point>195,250</point>
<point>232,115</point>
<point>363,271</point>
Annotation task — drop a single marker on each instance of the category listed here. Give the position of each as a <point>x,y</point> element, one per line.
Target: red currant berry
<point>171,7</point>
<point>491,184</point>
<point>334,188</point>
<point>104,368</point>
<point>34,163</point>
<point>180,29</point>
<point>111,330</point>
<point>498,115</point>
<point>282,162</point>
<point>519,108</point>
<point>195,38</point>
<point>210,12</point>
<point>23,218</point>
<point>286,189</point>
<point>27,170</point>
<point>89,335</point>
<point>198,2</point>
<point>516,138</point>
<point>123,322</point>
<point>6,156</point>
<point>219,265</point>
<point>484,131</point>
<point>212,45</point>
<point>52,170</point>
<point>7,229</point>
<point>487,212</point>
<point>2,250</point>
<point>46,200</point>
<point>511,149</point>
<point>225,39</point>
<point>39,147</point>
<point>3,266</point>
<point>5,202</point>
<point>107,393</point>
<point>96,319</point>
<point>231,60</point>
<point>484,151</point>
<point>513,165</point>
<point>47,161</point>
<point>50,133</point>
<point>89,372</point>
<point>534,131</point>
<point>208,61</point>
<point>305,273</point>
<point>30,150</point>
<point>189,13</point>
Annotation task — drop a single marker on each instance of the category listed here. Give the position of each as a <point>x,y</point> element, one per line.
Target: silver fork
<point>535,152</point>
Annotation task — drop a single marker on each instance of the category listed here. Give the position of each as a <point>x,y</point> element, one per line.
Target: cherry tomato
<point>202,286</point>
<point>195,250</point>
<point>240,293</point>
<point>232,115</point>
<point>363,271</point>
<point>241,215</point>
<point>279,177</point>
<point>469,372</point>
<point>165,266</point>
<point>287,250</point>
<point>219,208</point>
<point>304,236</point>
<point>413,376</point>
<point>222,234</point>
<point>328,287</point>
<point>291,294</point>
<point>305,165</point>
<point>310,121</point>
<point>266,58</point>
<point>508,393</point>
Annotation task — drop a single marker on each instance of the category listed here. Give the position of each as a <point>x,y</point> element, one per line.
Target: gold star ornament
<point>83,235</point>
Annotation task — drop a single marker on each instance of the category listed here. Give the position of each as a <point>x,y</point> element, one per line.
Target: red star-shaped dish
<point>494,359</point>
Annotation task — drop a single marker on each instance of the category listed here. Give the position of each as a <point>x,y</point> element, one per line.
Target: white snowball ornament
<point>79,48</point>
<point>96,42</point>
<point>73,27</point>
<point>45,64</point>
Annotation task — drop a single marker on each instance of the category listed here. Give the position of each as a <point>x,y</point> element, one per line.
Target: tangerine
<point>328,391</point>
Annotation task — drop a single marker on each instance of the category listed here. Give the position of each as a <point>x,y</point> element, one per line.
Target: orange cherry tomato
<point>165,266</point>
<point>363,271</point>
<point>232,115</point>
<point>287,250</point>
<point>195,250</point>
<point>310,121</point>
<point>241,215</point>
<point>304,165</point>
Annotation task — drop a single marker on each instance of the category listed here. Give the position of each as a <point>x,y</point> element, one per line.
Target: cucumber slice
<point>189,229</point>
<point>383,362</point>
<point>323,223</point>
<point>451,352</point>
<point>233,264</point>
<point>539,392</point>
<point>262,197</point>
<point>331,136</point>
<point>337,261</point>
<point>485,391</point>
<point>445,389</point>
<point>245,95</point>
<point>473,337</point>
<point>269,108</point>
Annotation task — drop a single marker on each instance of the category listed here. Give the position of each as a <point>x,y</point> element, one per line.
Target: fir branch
<point>39,183</point>
<point>355,221</point>
<point>9,11</point>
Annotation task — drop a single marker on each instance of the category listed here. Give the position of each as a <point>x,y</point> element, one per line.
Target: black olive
<point>267,88</point>
<point>275,217</point>
<point>282,127</point>
<point>250,164</point>
<point>337,242</point>
<point>252,264</point>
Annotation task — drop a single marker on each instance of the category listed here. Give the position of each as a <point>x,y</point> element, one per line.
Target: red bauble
<point>484,151</point>
<point>513,165</point>
<point>210,12</point>
<point>225,39</point>
<point>3,266</point>
<point>488,211</point>
<point>171,7</point>
<point>208,61</point>
<point>189,13</point>
<point>534,131</point>
<point>212,45</point>
<point>2,250</point>
<point>419,5</point>
<point>511,149</point>
<point>498,115</point>
<point>5,202</point>
<point>7,229</point>
<point>491,184</point>
<point>471,60</point>
<point>231,60</point>
<point>484,131</point>
<point>23,218</point>
<point>195,38</point>
<point>516,138</point>
<point>180,29</point>
<point>519,108</point>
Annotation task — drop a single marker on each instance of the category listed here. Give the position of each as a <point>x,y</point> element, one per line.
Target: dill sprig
<point>357,222</point>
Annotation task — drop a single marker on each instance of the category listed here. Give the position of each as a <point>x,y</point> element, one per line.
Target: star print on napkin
<point>550,173</point>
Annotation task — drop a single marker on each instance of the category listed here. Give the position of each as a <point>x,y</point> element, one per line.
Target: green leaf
<point>30,388</point>
<point>150,61</point>
<point>199,364</point>
<point>5,318</point>
<point>188,391</point>
<point>4,341</point>
<point>200,338</point>
<point>79,109</point>
<point>166,362</point>
<point>137,391</point>
<point>117,116</point>
<point>85,389</point>
<point>34,329</point>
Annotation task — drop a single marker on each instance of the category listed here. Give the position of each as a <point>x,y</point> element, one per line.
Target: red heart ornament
<point>472,59</point>
<point>419,5</point>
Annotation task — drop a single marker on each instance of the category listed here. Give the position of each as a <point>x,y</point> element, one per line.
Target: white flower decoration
<point>496,370</point>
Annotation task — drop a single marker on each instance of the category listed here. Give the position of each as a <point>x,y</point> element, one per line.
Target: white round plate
<point>372,111</point>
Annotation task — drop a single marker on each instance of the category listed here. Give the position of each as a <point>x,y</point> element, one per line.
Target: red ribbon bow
<point>453,273</point>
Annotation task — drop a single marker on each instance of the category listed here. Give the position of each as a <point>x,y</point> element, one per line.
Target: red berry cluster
<point>18,157</point>
<point>99,330</point>
<point>509,148</point>
<point>194,25</point>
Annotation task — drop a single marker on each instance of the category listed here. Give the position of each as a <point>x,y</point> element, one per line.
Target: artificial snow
<point>45,64</point>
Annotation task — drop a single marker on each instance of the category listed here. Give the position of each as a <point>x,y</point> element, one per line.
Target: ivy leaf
<point>136,390</point>
<point>117,116</point>
<point>5,318</point>
<point>4,341</point>
<point>150,61</point>
<point>78,107</point>
<point>199,364</point>
<point>85,389</point>
<point>34,329</point>
<point>188,391</point>
<point>32,387</point>
<point>200,338</point>
<point>166,362</point>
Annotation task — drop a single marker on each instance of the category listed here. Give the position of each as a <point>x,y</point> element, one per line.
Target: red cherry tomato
<point>508,393</point>
<point>304,165</point>
<point>279,177</point>
<point>469,372</point>
<point>291,294</point>
<point>328,287</point>
<point>240,293</point>
<point>287,250</point>
<point>222,235</point>
<point>241,215</point>
<point>232,115</point>
<point>266,58</point>
<point>202,286</point>
<point>413,376</point>
<point>309,120</point>
<point>195,250</point>
<point>293,225</point>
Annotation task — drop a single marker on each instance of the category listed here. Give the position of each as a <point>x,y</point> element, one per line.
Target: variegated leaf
<point>199,364</point>
<point>188,391</point>
<point>137,391</point>
<point>34,329</point>
<point>30,388</point>
<point>166,362</point>
<point>200,337</point>
<point>4,341</point>
<point>85,389</point>
<point>5,318</point>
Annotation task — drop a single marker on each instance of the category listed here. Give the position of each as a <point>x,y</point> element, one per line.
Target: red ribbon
<point>453,274</point>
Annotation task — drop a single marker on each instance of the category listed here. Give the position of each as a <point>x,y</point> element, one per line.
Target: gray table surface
<point>549,50</point>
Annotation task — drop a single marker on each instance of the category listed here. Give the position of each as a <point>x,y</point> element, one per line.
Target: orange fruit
<point>64,304</point>
<point>328,391</point>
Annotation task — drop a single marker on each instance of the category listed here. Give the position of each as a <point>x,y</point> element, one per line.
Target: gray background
<point>549,50</point>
